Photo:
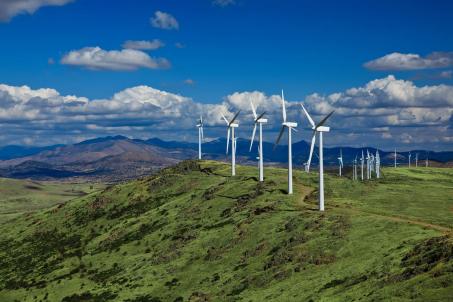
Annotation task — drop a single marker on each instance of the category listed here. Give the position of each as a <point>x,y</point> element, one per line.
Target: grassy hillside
<point>20,196</point>
<point>192,233</point>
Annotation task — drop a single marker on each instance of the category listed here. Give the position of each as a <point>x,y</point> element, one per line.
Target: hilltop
<point>193,233</point>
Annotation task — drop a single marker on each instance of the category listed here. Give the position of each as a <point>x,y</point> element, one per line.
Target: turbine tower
<point>427,161</point>
<point>319,128</point>
<point>230,128</point>
<point>410,155</point>
<point>395,159</point>
<point>354,168</point>
<point>416,160</point>
<point>362,161</point>
<point>378,164</point>
<point>200,135</point>
<point>368,158</point>
<point>340,162</point>
<point>291,126</point>
<point>258,120</point>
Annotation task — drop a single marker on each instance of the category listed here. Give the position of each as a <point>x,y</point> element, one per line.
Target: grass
<point>193,233</point>
<point>23,196</point>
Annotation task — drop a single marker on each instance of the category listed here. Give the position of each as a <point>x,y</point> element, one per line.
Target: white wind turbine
<point>258,120</point>
<point>410,155</point>
<point>395,159</point>
<point>200,135</point>
<point>416,160</point>
<point>426,160</point>
<point>354,169</point>
<point>362,161</point>
<point>319,128</point>
<point>368,170</point>
<point>291,126</point>
<point>378,164</point>
<point>340,162</point>
<point>231,125</point>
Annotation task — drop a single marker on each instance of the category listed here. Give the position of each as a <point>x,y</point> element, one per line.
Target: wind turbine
<point>319,128</point>
<point>410,155</point>
<point>340,162</point>
<point>258,120</point>
<point>426,160</point>
<point>416,160</point>
<point>368,158</point>
<point>230,126</point>
<point>378,164</point>
<point>291,126</point>
<point>395,159</point>
<point>200,135</point>
<point>362,160</point>
<point>354,168</point>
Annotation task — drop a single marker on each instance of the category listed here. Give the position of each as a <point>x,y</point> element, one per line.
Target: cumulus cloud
<point>400,61</point>
<point>144,45</point>
<point>164,21</point>
<point>223,3</point>
<point>96,58</point>
<point>385,112</point>
<point>11,8</point>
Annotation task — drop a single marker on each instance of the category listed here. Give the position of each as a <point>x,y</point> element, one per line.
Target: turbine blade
<point>261,115</point>
<point>283,107</point>
<point>312,147</point>
<point>202,134</point>
<point>324,119</point>
<point>235,117</point>
<point>308,116</point>
<point>253,110</point>
<point>279,136</point>
<point>226,121</point>
<point>228,139</point>
<point>253,137</point>
<point>201,119</point>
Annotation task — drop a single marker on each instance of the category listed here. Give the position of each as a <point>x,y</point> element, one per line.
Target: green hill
<point>192,233</point>
<point>23,196</point>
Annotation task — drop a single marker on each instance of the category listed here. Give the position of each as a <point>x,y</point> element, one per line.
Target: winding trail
<point>442,229</point>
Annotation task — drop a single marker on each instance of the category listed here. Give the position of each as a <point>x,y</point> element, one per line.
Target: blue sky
<point>304,47</point>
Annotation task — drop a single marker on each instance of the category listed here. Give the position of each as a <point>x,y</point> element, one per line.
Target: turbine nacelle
<point>322,129</point>
<point>289,124</point>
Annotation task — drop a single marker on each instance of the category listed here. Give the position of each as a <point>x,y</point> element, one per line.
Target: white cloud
<point>410,61</point>
<point>164,21</point>
<point>11,8</point>
<point>383,112</point>
<point>223,3</point>
<point>127,59</point>
<point>145,45</point>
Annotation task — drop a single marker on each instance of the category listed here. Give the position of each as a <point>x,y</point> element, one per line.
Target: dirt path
<point>436,227</point>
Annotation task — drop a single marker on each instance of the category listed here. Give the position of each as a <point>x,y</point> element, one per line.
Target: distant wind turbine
<point>410,155</point>
<point>378,164</point>
<point>290,126</point>
<point>258,120</point>
<point>319,128</point>
<point>395,159</point>
<point>362,161</point>
<point>200,135</point>
<point>416,160</point>
<point>354,168</point>
<point>230,128</point>
<point>340,162</point>
<point>426,161</point>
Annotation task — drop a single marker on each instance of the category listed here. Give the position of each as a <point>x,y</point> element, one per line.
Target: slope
<point>192,233</point>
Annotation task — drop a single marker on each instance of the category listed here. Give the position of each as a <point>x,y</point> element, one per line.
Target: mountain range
<point>115,158</point>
